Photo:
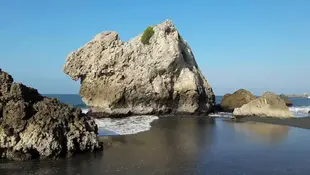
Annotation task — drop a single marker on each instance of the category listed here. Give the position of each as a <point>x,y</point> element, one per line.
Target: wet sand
<point>303,122</point>
<point>177,146</point>
<point>300,122</point>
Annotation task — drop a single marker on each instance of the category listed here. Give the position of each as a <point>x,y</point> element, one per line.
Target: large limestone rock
<point>236,100</point>
<point>124,78</point>
<point>268,105</point>
<point>33,126</point>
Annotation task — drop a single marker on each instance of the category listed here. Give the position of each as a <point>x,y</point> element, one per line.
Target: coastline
<point>302,122</point>
<point>299,122</point>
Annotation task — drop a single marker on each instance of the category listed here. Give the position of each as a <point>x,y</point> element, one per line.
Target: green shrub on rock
<point>147,34</point>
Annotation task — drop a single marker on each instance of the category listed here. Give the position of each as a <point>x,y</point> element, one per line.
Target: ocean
<point>136,124</point>
<point>300,108</point>
<point>176,146</point>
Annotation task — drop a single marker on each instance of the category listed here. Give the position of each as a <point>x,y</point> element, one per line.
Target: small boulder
<point>268,105</point>
<point>236,100</point>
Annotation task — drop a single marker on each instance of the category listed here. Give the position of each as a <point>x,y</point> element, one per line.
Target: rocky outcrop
<point>33,126</point>
<point>236,100</point>
<point>268,105</point>
<point>122,78</point>
<point>286,100</point>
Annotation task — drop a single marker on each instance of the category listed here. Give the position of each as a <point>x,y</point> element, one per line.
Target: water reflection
<point>187,146</point>
<point>261,132</point>
<point>169,144</point>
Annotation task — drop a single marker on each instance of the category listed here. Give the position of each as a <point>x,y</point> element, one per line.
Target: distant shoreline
<point>303,122</point>
<point>295,95</point>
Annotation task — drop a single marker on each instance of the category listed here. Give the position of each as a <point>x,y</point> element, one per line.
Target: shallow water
<point>188,146</point>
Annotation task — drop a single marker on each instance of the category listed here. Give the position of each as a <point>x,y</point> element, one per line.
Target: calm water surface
<point>188,146</point>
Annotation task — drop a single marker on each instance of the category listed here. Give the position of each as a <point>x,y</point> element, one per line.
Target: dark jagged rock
<point>218,108</point>
<point>33,126</point>
<point>5,82</point>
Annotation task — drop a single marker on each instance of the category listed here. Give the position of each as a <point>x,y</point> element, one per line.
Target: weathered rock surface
<point>122,78</point>
<point>268,105</point>
<point>236,100</point>
<point>33,126</point>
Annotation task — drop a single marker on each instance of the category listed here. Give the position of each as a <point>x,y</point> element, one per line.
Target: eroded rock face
<point>268,105</point>
<point>120,78</point>
<point>236,100</point>
<point>33,126</point>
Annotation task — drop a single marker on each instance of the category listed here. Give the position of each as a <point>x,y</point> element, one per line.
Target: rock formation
<point>122,78</point>
<point>33,126</point>
<point>236,100</point>
<point>286,100</point>
<point>268,105</point>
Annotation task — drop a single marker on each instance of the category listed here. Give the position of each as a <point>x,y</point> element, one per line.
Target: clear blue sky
<point>254,44</point>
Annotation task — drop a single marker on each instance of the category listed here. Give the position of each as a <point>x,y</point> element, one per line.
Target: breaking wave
<point>85,110</point>
<point>125,126</point>
<point>300,111</point>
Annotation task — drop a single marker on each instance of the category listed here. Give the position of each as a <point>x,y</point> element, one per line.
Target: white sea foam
<point>123,126</point>
<point>300,111</point>
<point>85,110</point>
<point>221,114</point>
<point>126,126</point>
